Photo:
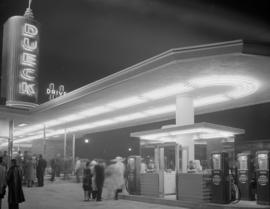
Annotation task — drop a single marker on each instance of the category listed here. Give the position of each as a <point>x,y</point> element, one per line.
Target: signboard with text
<point>20,62</point>
<point>54,93</point>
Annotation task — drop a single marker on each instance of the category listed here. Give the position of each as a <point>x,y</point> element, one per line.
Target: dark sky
<point>84,40</point>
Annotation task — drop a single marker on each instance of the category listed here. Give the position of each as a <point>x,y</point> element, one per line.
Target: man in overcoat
<point>41,166</point>
<point>14,182</point>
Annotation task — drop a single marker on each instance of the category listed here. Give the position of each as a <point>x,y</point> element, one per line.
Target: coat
<point>41,166</point>
<point>14,182</point>
<point>2,181</point>
<point>29,169</point>
<point>99,175</point>
<point>87,179</point>
<point>114,180</point>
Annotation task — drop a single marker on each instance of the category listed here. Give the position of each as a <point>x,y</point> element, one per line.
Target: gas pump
<point>220,178</point>
<point>245,176</point>
<point>133,174</point>
<point>262,176</point>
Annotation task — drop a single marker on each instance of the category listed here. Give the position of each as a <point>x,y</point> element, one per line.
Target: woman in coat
<point>115,181</point>
<point>87,182</point>
<point>29,167</point>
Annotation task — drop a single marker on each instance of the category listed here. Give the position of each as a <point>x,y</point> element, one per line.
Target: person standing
<point>29,170</point>
<point>118,175</point>
<point>5,159</point>
<point>2,181</point>
<point>53,168</point>
<point>14,182</point>
<point>94,186</point>
<point>59,164</point>
<point>77,169</point>
<point>41,166</point>
<point>87,181</point>
<point>99,179</point>
<point>19,159</point>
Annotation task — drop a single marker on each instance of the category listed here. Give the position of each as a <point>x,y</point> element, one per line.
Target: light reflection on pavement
<point>70,196</point>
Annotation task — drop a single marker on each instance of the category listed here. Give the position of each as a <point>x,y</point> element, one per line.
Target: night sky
<point>85,40</point>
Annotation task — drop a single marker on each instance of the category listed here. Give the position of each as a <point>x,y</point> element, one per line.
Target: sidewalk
<point>67,195</point>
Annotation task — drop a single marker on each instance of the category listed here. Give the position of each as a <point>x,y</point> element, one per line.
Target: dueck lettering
<point>28,60</point>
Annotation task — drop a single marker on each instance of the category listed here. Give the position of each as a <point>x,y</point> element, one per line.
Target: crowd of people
<point>23,169</point>
<point>101,181</point>
<point>33,168</point>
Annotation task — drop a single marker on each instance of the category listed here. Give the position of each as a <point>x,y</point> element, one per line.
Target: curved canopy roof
<point>217,76</point>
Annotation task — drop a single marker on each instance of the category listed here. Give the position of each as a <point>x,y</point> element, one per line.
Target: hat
<point>118,159</point>
<point>93,162</point>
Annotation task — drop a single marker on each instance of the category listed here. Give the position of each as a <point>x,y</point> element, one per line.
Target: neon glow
<point>129,117</point>
<point>53,93</point>
<point>131,101</point>
<point>30,30</point>
<point>167,91</point>
<point>27,72</point>
<point>95,111</point>
<point>203,133</point>
<point>26,88</point>
<point>29,59</point>
<point>22,124</point>
<point>215,135</point>
<point>103,123</point>
<point>161,110</point>
<point>242,86</point>
<point>28,45</point>
<point>210,100</point>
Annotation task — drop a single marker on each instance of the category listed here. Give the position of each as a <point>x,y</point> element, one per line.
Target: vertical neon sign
<point>20,61</point>
<point>27,71</point>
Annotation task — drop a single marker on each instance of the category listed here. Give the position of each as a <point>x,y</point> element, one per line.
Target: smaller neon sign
<point>53,93</point>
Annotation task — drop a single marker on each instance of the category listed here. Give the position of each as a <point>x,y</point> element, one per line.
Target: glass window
<point>243,162</point>
<point>263,161</point>
<point>216,158</point>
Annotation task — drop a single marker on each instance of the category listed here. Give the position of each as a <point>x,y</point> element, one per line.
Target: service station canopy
<point>197,131</point>
<point>217,76</point>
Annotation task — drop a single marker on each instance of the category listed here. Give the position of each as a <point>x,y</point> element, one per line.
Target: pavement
<point>68,195</point>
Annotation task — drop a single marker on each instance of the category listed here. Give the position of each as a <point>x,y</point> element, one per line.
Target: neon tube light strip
<point>243,86</point>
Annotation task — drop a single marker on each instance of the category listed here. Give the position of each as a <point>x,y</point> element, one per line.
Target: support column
<point>177,158</point>
<point>73,149</point>
<point>184,111</point>
<point>44,142</point>
<point>65,144</point>
<point>156,158</point>
<point>184,159</point>
<point>185,116</point>
<point>161,159</point>
<point>10,141</point>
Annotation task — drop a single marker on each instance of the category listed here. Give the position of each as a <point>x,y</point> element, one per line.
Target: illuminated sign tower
<point>20,61</point>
